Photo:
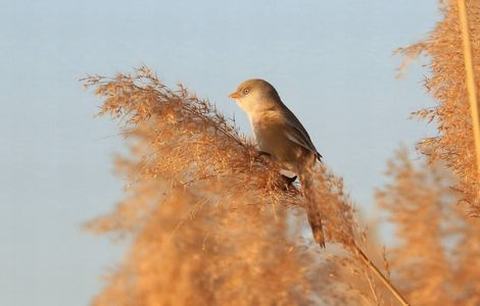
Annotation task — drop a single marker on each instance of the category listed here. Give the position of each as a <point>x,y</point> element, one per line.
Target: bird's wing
<point>299,135</point>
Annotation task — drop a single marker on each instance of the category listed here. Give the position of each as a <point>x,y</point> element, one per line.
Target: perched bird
<point>281,135</point>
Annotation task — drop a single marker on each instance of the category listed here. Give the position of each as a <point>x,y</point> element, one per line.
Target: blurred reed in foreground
<point>435,261</point>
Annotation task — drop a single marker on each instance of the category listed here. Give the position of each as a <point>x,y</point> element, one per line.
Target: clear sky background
<point>331,62</point>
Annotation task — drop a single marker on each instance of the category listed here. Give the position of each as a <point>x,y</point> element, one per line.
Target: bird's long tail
<point>311,207</point>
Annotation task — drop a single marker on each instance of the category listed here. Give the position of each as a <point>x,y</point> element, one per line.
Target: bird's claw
<point>289,180</point>
<point>262,153</point>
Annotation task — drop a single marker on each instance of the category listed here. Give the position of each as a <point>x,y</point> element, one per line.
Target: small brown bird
<point>280,134</point>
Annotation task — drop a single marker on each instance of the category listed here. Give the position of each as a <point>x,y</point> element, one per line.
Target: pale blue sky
<point>331,61</point>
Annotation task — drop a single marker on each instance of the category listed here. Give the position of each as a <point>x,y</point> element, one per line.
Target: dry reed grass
<point>447,84</point>
<point>212,222</point>
<point>435,262</point>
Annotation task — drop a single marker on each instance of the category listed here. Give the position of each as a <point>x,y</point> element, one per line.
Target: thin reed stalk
<point>401,299</point>
<point>470,77</point>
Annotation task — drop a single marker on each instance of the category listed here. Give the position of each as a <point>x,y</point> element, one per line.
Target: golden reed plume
<point>450,83</point>
<point>208,213</point>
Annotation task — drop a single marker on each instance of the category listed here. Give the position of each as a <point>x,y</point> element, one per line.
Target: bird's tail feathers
<point>311,207</point>
<point>315,221</point>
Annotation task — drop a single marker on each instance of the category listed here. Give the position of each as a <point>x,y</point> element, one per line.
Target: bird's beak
<point>234,95</point>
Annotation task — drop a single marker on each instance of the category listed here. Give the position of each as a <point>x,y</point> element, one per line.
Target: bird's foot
<point>263,154</point>
<point>289,180</point>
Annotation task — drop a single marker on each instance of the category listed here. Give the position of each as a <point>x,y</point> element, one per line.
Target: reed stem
<point>380,275</point>
<point>470,77</point>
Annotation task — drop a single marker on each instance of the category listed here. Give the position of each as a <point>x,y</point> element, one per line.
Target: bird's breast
<point>267,132</point>
<point>271,137</point>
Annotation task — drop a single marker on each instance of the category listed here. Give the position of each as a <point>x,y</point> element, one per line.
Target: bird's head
<point>255,95</point>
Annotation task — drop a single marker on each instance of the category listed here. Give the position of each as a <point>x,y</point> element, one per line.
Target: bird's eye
<point>246,91</point>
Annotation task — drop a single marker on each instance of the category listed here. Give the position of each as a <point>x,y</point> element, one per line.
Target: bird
<point>279,134</point>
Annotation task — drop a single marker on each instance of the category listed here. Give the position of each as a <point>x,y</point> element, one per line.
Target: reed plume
<point>435,259</point>
<point>447,84</point>
<point>212,221</point>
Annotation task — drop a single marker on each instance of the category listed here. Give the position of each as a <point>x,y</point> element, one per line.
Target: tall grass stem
<point>470,77</point>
